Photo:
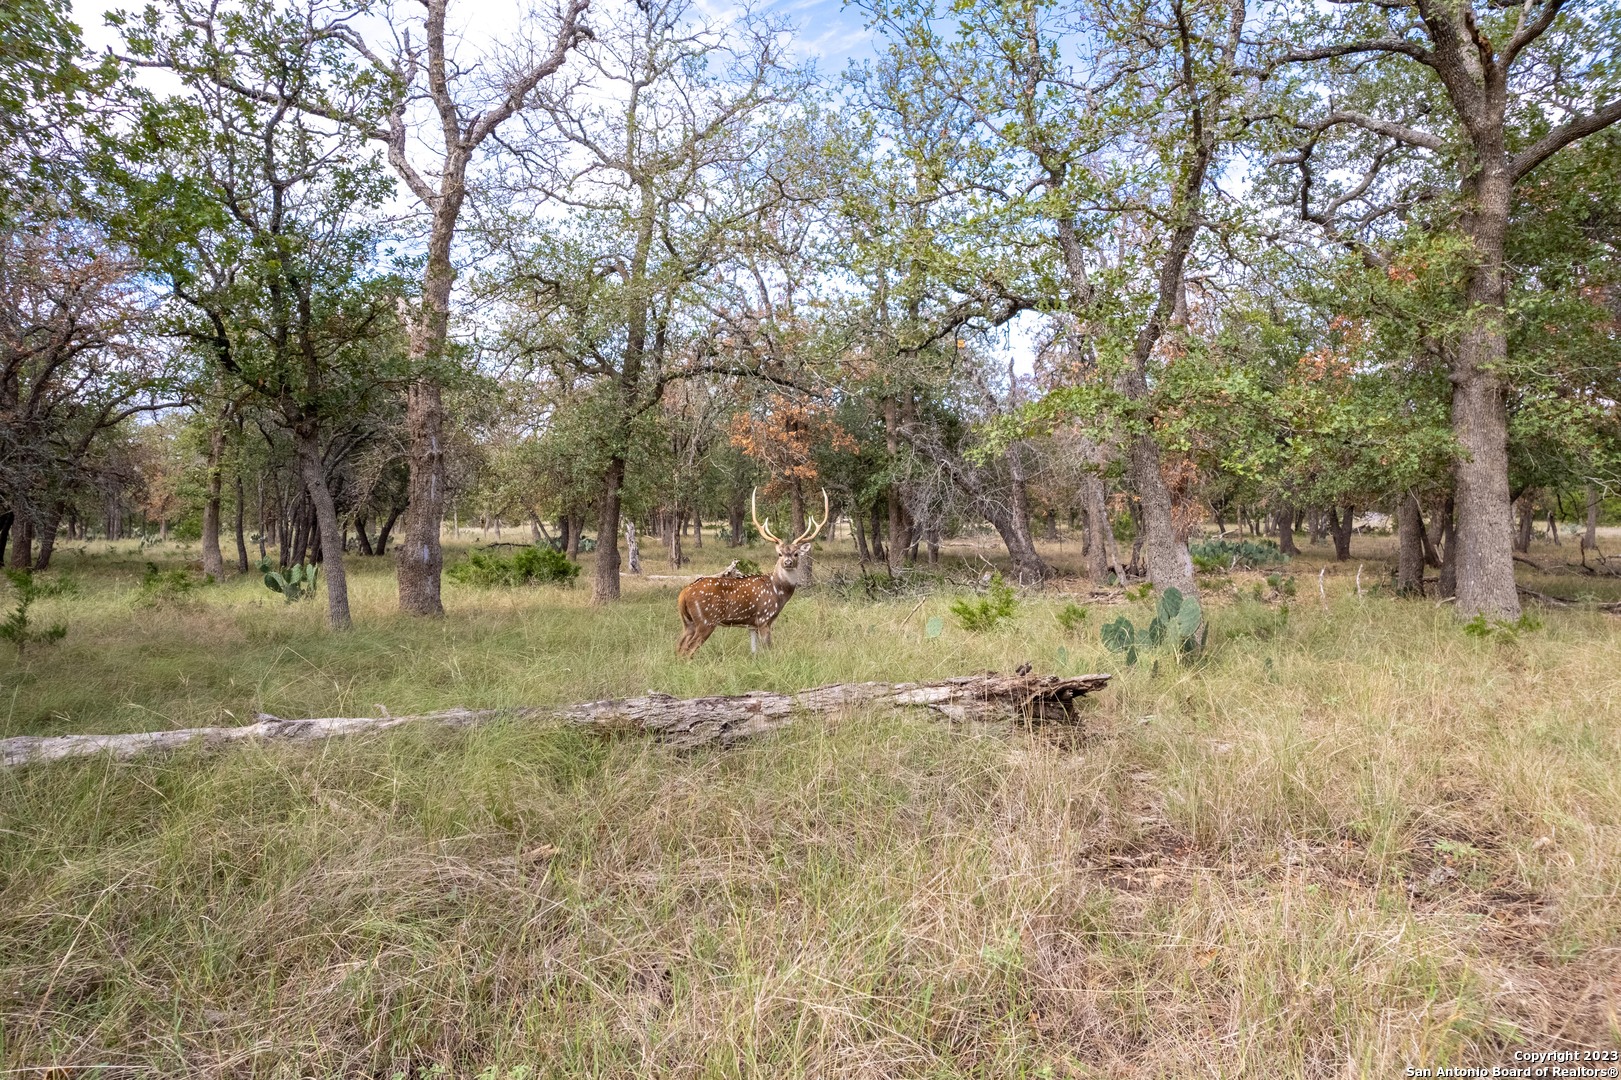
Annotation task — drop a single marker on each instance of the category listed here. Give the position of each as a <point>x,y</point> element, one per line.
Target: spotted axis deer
<point>751,600</point>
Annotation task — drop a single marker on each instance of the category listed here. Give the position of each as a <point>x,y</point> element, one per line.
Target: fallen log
<point>680,722</point>
<point>1609,608</point>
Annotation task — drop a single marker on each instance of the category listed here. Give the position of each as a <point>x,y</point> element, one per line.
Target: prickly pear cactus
<point>298,584</point>
<point>1178,620</point>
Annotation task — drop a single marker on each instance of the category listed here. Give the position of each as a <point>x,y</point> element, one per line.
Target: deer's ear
<point>804,549</point>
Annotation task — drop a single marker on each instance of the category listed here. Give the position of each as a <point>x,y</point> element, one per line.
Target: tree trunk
<point>239,527</point>
<point>22,542</point>
<point>576,526</point>
<point>796,508</point>
<point>1448,587</point>
<point>1096,512</point>
<point>1484,529</point>
<point>1590,537</point>
<point>47,536</point>
<point>633,551</point>
<point>1522,539</point>
<point>301,535</point>
<point>897,545</point>
<point>6,520</point>
<point>420,560</point>
<point>878,553</point>
<point>859,533</point>
<point>605,578</point>
<point>1015,533</point>
<point>804,576</point>
<point>1286,531</point>
<point>1553,528</point>
<point>1169,564</point>
<point>387,529</point>
<point>213,559</point>
<point>673,539</point>
<point>326,520</point>
<point>1410,547</point>
<point>1316,534</point>
<point>361,539</point>
<point>1430,536</point>
<point>697,528</point>
<point>735,511</point>
<point>1341,528</point>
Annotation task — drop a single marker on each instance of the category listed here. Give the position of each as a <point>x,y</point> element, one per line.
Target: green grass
<point>1347,840</point>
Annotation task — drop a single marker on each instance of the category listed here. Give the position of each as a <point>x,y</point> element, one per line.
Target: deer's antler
<point>815,526</point>
<point>765,528</point>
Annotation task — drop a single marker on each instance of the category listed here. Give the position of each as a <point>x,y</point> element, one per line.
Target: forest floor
<point>1348,839</point>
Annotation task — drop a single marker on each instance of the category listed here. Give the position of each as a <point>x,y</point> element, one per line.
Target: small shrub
<point>747,567</point>
<point>987,611</point>
<point>1176,621</point>
<point>1501,630</point>
<point>527,566</point>
<point>170,586</point>
<point>298,583</point>
<point>1211,556</point>
<point>1256,621</point>
<point>1071,616</point>
<point>1283,585</point>
<point>16,627</point>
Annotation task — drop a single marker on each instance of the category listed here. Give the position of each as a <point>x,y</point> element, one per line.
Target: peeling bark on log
<point>680,722</point>
<point>698,721</point>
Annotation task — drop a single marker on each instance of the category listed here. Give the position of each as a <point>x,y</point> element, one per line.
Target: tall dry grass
<point>1350,839</point>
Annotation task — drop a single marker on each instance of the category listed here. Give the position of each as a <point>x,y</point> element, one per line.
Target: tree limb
<point>1562,136</point>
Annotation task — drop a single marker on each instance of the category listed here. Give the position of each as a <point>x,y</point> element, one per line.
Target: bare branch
<point>1389,128</point>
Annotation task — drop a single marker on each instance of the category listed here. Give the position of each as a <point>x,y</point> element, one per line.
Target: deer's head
<point>789,551</point>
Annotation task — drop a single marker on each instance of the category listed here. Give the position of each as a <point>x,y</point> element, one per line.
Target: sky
<point>826,31</point>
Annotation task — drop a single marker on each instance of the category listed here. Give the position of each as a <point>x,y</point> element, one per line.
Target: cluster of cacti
<point>1213,556</point>
<point>298,584</point>
<point>1178,621</point>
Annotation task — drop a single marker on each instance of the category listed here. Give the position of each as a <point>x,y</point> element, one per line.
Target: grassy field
<point>1351,838</point>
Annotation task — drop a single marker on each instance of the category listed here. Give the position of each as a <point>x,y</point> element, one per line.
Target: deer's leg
<point>765,635</point>
<point>754,641</point>
<point>700,634</point>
